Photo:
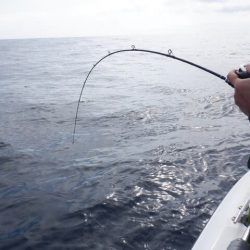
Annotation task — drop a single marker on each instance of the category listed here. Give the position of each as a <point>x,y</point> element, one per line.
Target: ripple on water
<point>154,156</point>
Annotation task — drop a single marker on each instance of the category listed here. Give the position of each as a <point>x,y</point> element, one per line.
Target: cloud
<point>211,1</point>
<point>29,18</point>
<point>234,9</point>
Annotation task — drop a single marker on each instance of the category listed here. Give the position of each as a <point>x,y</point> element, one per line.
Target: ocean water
<point>158,143</point>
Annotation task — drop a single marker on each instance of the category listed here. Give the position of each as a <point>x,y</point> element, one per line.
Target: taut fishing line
<point>133,49</point>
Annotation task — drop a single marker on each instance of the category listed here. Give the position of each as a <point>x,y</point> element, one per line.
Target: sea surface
<point>158,142</point>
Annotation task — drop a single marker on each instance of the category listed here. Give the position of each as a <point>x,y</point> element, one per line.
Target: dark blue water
<point>158,143</point>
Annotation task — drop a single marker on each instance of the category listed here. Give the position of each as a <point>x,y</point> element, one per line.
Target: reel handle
<point>242,72</point>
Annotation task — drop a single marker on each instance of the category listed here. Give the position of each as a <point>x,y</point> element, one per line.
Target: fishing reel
<point>242,72</point>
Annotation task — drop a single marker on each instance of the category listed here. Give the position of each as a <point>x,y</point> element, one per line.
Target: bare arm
<point>242,91</point>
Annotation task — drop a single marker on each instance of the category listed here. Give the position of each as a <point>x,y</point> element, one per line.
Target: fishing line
<point>133,49</point>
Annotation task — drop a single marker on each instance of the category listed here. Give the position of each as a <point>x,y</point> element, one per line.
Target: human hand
<point>242,90</point>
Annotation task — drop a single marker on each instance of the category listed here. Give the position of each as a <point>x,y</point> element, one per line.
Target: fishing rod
<point>133,49</point>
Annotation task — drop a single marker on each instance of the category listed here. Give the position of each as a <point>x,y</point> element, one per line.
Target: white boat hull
<point>224,226</point>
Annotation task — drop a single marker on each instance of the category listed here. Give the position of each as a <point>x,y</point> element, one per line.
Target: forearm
<point>238,81</point>
<point>242,91</point>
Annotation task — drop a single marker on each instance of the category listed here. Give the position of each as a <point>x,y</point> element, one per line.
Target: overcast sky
<point>59,18</point>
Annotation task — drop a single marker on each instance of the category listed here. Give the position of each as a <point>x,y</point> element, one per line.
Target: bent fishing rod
<point>133,49</point>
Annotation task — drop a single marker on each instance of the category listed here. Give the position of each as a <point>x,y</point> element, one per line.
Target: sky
<point>74,18</point>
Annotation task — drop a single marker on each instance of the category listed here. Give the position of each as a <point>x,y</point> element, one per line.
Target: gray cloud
<point>235,9</point>
<point>211,1</point>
